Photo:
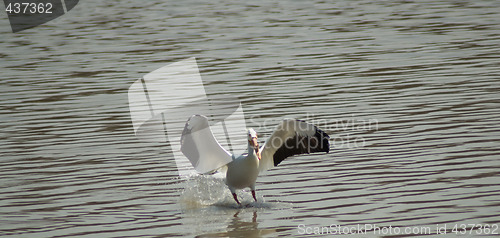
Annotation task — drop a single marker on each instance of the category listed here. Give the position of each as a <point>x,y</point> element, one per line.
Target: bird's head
<point>252,140</point>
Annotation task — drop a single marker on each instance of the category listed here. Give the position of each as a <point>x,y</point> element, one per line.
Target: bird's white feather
<point>200,146</point>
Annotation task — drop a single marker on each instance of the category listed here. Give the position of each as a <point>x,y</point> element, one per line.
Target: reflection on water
<point>426,72</point>
<point>208,205</point>
<point>238,227</point>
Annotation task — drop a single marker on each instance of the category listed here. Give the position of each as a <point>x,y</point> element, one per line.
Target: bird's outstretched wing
<point>199,145</point>
<point>292,137</point>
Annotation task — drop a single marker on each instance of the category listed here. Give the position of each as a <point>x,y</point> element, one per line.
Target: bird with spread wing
<point>291,137</point>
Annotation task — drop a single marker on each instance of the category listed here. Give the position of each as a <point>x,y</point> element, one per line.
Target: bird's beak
<point>255,145</point>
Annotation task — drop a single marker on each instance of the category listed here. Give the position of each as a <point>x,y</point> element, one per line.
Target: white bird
<point>291,137</point>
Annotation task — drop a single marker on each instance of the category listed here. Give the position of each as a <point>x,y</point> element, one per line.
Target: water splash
<point>203,190</point>
<point>211,190</point>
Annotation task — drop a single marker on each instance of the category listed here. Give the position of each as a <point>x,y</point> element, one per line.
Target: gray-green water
<point>427,72</point>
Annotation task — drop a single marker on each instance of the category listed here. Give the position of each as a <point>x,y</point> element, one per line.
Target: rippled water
<point>408,91</point>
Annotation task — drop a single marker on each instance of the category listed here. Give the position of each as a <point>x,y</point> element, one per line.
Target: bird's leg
<point>253,195</point>
<point>236,199</point>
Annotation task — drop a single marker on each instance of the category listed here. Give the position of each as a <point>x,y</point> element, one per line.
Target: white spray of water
<point>202,190</point>
<point>207,190</point>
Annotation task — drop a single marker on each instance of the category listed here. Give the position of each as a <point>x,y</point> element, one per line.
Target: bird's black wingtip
<point>324,139</point>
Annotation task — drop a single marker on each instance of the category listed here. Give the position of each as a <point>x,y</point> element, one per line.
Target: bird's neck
<point>251,150</point>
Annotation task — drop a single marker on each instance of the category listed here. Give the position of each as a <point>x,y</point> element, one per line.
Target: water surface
<point>408,91</point>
